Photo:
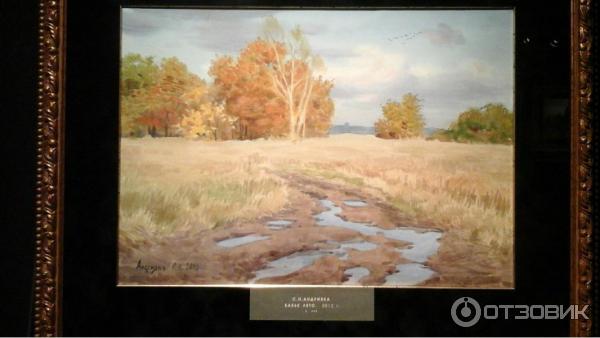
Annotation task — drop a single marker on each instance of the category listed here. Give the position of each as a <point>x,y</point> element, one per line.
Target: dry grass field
<point>174,190</point>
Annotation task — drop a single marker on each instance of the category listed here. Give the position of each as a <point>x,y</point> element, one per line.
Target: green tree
<point>492,123</point>
<point>137,74</point>
<point>401,119</point>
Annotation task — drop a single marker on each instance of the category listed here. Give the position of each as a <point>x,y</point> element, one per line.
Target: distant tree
<point>500,120</point>
<point>137,72</point>
<point>492,123</point>
<point>401,119</point>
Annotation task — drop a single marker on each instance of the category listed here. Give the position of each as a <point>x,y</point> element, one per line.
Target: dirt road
<point>327,234</point>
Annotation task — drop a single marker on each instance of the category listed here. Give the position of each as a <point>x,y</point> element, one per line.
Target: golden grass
<point>168,190</point>
<point>173,185</point>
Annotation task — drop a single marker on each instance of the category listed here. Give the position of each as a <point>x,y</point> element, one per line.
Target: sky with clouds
<point>452,59</point>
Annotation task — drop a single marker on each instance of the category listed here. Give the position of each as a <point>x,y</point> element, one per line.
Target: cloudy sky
<point>452,59</point>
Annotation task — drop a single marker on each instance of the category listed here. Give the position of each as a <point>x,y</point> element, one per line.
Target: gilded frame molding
<point>49,171</point>
<point>49,201</point>
<point>581,161</point>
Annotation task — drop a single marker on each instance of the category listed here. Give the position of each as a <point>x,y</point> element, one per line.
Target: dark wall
<point>18,37</point>
<point>596,174</point>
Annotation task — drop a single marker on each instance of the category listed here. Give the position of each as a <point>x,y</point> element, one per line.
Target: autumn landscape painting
<point>317,147</point>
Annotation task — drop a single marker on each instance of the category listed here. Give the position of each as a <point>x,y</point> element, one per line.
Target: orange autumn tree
<point>244,85</point>
<point>273,89</point>
<point>164,104</point>
<point>320,110</point>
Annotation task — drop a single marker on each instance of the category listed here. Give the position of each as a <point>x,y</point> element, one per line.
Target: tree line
<point>271,89</point>
<point>492,123</point>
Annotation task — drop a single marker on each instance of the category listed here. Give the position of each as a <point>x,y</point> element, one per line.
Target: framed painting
<point>193,152</point>
<point>270,152</point>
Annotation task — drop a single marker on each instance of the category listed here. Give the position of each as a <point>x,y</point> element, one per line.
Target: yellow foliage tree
<point>193,124</point>
<point>401,119</point>
<point>208,120</point>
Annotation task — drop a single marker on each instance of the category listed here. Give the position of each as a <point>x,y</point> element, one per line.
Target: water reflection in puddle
<point>409,274</point>
<point>355,203</point>
<point>355,275</point>
<point>298,260</point>
<point>287,265</point>
<point>279,224</point>
<point>342,251</point>
<point>360,246</point>
<point>422,244</point>
<point>237,241</point>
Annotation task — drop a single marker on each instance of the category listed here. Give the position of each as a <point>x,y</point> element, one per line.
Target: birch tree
<point>293,72</point>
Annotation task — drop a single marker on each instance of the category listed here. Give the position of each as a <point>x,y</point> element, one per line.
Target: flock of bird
<point>404,38</point>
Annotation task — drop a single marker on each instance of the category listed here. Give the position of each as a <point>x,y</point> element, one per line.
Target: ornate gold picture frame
<point>50,202</point>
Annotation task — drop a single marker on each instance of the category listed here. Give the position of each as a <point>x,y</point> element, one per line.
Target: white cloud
<point>424,71</point>
<point>367,98</point>
<point>369,66</point>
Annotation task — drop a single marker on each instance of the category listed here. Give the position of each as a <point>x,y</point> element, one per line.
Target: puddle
<point>355,203</point>
<point>423,244</point>
<point>409,274</point>
<point>287,265</point>
<point>330,217</point>
<point>298,260</point>
<point>355,275</point>
<point>360,246</point>
<point>342,251</point>
<point>279,224</point>
<point>237,241</point>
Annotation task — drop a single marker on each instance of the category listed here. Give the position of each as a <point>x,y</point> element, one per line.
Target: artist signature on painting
<point>174,266</point>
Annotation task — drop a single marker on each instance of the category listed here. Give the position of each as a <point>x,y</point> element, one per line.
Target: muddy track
<point>321,254</point>
<point>379,211</point>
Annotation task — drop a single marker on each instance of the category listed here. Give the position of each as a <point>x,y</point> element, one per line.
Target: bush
<point>401,119</point>
<point>492,123</point>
